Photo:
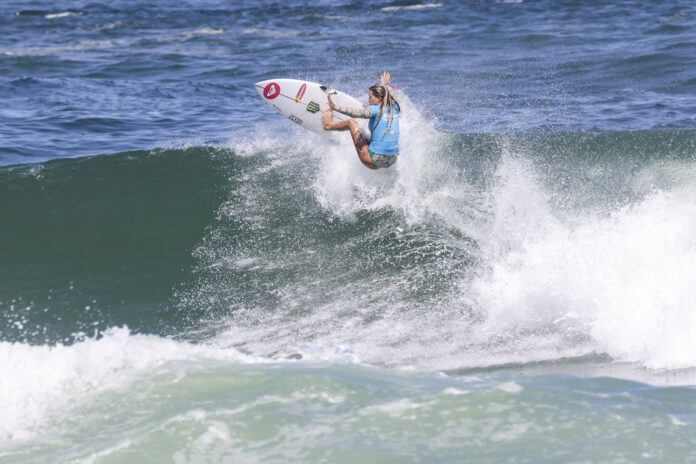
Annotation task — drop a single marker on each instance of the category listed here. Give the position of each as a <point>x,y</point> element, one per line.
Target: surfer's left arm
<point>365,113</point>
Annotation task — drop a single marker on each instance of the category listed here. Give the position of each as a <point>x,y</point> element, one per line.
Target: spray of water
<point>535,280</point>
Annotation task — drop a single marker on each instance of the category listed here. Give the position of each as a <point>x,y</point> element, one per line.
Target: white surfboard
<point>303,102</point>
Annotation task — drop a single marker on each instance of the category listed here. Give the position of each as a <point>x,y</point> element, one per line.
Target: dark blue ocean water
<point>186,276</point>
<point>84,78</point>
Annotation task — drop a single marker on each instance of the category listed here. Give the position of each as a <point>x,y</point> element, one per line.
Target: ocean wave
<point>123,395</point>
<point>474,251</point>
<point>44,383</point>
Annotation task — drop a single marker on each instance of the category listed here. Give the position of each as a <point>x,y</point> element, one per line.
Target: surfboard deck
<point>303,102</point>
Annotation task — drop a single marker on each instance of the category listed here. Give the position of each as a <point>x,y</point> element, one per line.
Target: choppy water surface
<point>185,276</point>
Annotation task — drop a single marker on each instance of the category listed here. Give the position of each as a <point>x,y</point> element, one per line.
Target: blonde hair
<point>382,92</point>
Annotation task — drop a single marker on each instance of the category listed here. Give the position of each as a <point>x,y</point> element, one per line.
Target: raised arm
<point>365,113</point>
<point>385,78</point>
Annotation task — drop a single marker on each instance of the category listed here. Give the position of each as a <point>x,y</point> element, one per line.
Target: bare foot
<point>327,118</point>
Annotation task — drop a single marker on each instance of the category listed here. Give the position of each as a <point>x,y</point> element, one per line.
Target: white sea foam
<point>421,185</point>
<point>419,6</point>
<point>88,45</point>
<point>208,31</point>
<point>63,14</point>
<point>622,279</point>
<point>392,408</point>
<point>40,384</point>
<point>108,26</point>
<point>276,34</point>
<point>455,391</point>
<point>510,387</point>
<point>80,46</point>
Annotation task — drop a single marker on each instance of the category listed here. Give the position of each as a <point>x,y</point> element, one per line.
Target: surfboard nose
<point>259,86</point>
<point>268,89</point>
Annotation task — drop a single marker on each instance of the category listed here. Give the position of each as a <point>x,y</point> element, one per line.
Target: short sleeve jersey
<point>384,142</point>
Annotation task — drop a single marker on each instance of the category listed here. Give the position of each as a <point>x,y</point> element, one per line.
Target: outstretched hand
<point>332,105</point>
<point>385,78</point>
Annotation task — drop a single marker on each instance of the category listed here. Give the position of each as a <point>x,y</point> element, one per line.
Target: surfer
<point>382,150</point>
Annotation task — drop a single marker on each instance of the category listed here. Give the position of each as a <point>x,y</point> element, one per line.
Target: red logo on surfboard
<point>271,91</point>
<point>300,93</point>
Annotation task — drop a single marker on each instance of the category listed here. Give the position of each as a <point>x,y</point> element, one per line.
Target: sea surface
<point>188,277</point>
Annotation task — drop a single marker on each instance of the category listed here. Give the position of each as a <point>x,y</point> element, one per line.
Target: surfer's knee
<point>327,119</point>
<point>364,155</point>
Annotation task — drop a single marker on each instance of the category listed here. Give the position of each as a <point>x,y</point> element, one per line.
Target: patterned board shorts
<point>383,161</point>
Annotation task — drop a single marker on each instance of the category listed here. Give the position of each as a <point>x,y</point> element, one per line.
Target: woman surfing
<point>382,150</point>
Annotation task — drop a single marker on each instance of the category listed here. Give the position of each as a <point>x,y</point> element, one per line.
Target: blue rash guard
<point>383,142</point>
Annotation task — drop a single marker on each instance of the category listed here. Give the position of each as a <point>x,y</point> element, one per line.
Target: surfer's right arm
<point>365,113</point>
<point>385,78</point>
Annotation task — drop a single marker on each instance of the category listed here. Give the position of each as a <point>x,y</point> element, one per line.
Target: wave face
<point>477,251</point>
<point>91,243</point>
